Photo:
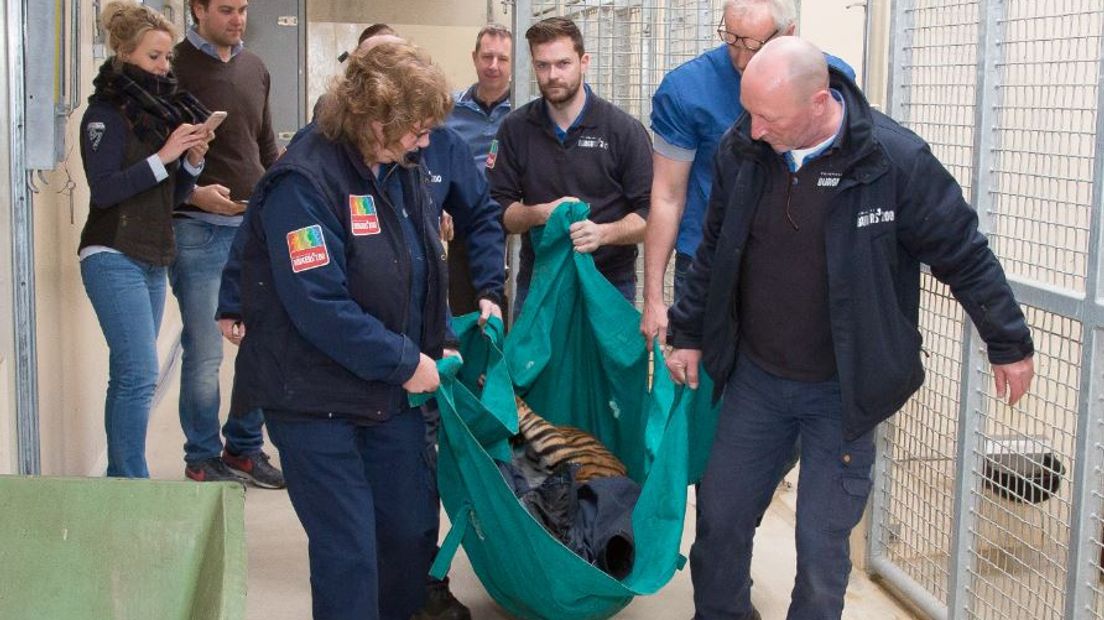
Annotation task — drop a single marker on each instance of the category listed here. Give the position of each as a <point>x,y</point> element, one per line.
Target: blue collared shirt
<point>209,48</point>
<point>476,126</point>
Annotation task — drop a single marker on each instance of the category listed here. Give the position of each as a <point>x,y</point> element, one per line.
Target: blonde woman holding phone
<point>143,145</point>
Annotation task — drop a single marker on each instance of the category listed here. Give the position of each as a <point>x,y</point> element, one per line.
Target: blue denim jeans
<point>761,418</point>
<point>129,298</point>
<point>682,272</point>
<point>368,502</point>
<point>201,253</point>
<point>628,289</point>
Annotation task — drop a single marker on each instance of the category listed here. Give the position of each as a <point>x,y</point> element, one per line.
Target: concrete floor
<point>278,579</point>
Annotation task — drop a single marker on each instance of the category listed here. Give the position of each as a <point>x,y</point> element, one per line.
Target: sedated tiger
<point>555,445</point>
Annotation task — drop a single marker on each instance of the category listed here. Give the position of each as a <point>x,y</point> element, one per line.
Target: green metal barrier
<point>119,549</point>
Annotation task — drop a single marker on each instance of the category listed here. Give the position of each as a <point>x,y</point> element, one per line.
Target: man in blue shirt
<point>479,110</point>
<point>691,110</point>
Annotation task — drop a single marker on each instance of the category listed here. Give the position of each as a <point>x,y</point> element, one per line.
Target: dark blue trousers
<point>761,418</point>
<point>368,503</point>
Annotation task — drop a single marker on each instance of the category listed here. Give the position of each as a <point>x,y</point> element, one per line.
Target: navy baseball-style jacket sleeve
<point>103,148</point>
<point>317,298</point>
<point>939,228</point>
<point>469,202</point>
<point>229,299</point>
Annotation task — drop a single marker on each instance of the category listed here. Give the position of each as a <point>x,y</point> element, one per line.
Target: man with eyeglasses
<point>694,105</point>
<point>803,305</point>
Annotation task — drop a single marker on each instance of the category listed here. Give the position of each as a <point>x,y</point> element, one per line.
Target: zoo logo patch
<point>307,247</point>
<point>363,216</point>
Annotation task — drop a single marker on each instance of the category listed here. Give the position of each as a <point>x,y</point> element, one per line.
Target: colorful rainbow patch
<point>307,248</point>
<point>363,218</point>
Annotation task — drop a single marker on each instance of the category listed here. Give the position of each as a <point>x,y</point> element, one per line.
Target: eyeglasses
<point>748,43</point>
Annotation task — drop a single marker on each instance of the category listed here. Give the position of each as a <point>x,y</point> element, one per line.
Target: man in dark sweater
<point>213,65</point>
<point>572,145</point>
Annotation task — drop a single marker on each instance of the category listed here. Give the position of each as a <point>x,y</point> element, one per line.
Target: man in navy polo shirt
<point>572,145</point>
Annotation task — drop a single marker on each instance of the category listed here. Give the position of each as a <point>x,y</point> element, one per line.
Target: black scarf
<point>152,103</point>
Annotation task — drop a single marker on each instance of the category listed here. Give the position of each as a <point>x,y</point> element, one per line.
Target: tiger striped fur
<point>554,445</point>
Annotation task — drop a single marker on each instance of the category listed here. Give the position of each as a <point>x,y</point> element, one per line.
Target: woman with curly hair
<point>343,292</point>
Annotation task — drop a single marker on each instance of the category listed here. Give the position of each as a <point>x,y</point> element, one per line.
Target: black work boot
<point>441,604</point>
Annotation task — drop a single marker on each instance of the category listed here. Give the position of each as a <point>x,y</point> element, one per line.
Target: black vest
<point>140,226</point>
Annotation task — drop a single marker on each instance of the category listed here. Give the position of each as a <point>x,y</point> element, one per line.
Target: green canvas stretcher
<point>578,358</point>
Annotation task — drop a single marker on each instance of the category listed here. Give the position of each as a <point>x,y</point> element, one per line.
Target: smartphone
<point>214,120</point>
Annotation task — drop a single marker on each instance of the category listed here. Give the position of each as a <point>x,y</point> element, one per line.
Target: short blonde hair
<point>126,22</point>
<point>395,84</point>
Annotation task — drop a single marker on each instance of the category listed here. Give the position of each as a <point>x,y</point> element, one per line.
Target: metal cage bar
<point>1083,576</point>
<point>970,429</point>
<point>1034,170</point>
<point>26,352</point>
<point>1085,557</point>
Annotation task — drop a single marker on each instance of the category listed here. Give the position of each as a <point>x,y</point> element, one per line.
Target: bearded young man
<point>572,145</point>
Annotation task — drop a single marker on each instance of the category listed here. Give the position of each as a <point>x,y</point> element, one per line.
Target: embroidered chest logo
<point>363,216</point>
<point>95,134</point>
<point>307,247</point>
<point>829,179</point>
<point>591,142</point>
<point>492,154</point>
<point>870,217</point>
